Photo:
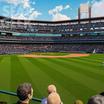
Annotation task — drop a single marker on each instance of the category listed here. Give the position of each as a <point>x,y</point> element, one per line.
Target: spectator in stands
<point>24,93</point>
<point>78,102</point>
<point>51,88</point>
<point>53,98</point>
<point>97,99</point>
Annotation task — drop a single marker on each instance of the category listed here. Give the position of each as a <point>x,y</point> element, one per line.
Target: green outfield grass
<point>75,78</point>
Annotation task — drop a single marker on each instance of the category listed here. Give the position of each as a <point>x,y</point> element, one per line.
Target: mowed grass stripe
<point>19,75</point>
<point>97,56</point>
<point>38,77</point>
<point>5,76</point>
<point>63,92</point>
<point>28,74</point>
<point>94,62</point>
<point>56,71</point>
<point>88,61</point>
<point>1,58</point>
<point>83,61</point>
<point>48,81</point>
<point>76,76</point>
<point>91,67</point>
<point>68,82</point>
<point>80,68</point>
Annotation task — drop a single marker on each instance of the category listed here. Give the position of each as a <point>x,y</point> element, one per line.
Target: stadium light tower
<point>10,16</point>
<point>84,11</point>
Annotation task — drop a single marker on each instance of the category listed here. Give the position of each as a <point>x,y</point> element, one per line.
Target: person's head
<point>78,102</point>
<point>53,98</point>
<point>3,102</point>
<point>51,88</point>
<point>25,91</point>
<point>98,99</point>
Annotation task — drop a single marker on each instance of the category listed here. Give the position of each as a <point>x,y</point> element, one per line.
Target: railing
<point>14,94</point>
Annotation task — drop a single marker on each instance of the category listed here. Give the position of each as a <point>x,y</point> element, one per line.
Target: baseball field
<point>74,77</point>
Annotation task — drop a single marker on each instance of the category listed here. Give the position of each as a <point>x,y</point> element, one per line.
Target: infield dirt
<point>49,56</point>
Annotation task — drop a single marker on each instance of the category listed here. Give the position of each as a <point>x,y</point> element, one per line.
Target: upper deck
<point>82,26</point>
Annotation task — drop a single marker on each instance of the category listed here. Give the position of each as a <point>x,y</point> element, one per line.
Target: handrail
<point>14,94</point>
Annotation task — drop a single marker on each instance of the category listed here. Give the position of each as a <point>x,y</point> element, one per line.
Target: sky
<point>49,10</point>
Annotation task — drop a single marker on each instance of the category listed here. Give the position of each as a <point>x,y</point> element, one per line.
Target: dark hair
<point>3,102</point>
<point>97,99</point>
<point>102,93</point>
<point>23,90</point>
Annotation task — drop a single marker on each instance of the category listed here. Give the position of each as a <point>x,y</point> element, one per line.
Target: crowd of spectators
<point>25,94</point>
<point>28,44</point>
<point>29,48</point>
<point>53,38</point>
<point>60,28</point>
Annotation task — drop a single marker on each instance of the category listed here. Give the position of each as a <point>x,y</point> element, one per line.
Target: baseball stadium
<point>67,53</point>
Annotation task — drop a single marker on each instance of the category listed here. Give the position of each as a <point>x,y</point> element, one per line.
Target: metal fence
<point>14,94</point>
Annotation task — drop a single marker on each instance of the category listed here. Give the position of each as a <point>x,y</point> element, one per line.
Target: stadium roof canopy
<point>64,21</point>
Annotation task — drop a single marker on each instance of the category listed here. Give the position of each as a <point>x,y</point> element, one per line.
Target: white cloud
<point>15,2</point>
<point>26,3</point>
<point>56,13</point>
<point>20,16</point>
<point>56,10</point>
<point>59,17</point>
<point>34,14</point>
<point>22,9</point>
<point>98,8</point>
<point>67,6</point>
<point>27,16</point>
